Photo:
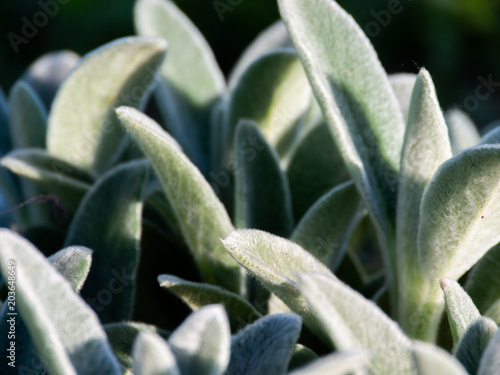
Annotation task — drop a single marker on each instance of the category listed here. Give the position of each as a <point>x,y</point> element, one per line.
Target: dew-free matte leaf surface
<point>201,216</point>
<point>52,175</point>
<point>274,261</point>
<point>28,117</point>
<point>483,284</point>
<point>492,137</point>
<point>342,363</point>
<point>461,310</point>
<point>48,72</point>
<point>109,222</point>
<point>201,344</point>
<point>5,143</point>
<point>82,124</point>
<point>275,93</point>
<point>473,343</point>
<point>355,95</point>
<point>315,167</point>
<point>490,361</point>
<point>262,194</point>
<point>402,85</point>
<point>196,295</point>
<point>191,79</point>
<point>351,321</point>
<point>74,264</point>
<point>265,347</point>
<point>459,213</point>
<point>494,311</point>
<point>152,356</point>
<point>65,331</point>
<point>272,38</point>
<point>462,130</point>
<point>326,228</point>
<point>432,360</point>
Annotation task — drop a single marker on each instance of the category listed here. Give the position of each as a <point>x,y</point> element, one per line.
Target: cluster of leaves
<point>280,195</point>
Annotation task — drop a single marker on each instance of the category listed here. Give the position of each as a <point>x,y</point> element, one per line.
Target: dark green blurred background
<point>458,41</point>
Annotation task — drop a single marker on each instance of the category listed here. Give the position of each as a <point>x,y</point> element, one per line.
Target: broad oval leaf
<point>65,331</point>
<point>432,360</point>
<point>402,84</point>
<point>355,95</point>
<point>463,132</point>
<point>109,222</point>
<point>82,124</point>
<point>265,347</point>
<point>474,342</point>
<point>342,363</point>
<point>326,228</point>
<point>28,117</point>
<point>351,321</point>
<point>461,310</point>
<point>490,361</point>
<point>196,295</point>
<point>65,181</point>
<point>262,194</point>
<point>191,79</point>
<point>201,216</point>
<point>274,261</point>
<point>459,213</point>
<point>201,344</point>
<point>152,356</point>
<point>272,38</point>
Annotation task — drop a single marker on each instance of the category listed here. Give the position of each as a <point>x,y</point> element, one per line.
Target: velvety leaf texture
<point>463,132</point>
<point>432,360</point>
<point>342,363</point>
<point>201,216</point>
<point>109,222</point>
<point>490,361</point>
<point>82,124</point>
<point>402,84</point>
<point>152,356</point>
<point>265,347</point>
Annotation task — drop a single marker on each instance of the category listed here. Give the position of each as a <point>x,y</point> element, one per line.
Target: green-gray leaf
<point>262,195</point>
<point>65,331</point>
<point>74,264</point>
<point>152,356</point>
<point>192,81</point>
<point>28,117</point>
<point>432,360</point>
<point>67,182</point>
<point>82,124</point>
<point>5,144</point>
<point>326,228</point>
<point>492,137</point>
<point>265,347</point>
<point>463,132</point>
<point>490,361</point>
<point>356,98</point>
<point>351,321</point>
<point>201,216</point>
<point>483,284</point>
<point>109,222</point>
<point>342,363</point>
<point>201,344</point>
<point>474,342</point>
<point>196,295</point>
<point>494,311</point>
<point>402,85</point>
<point>459,213</point>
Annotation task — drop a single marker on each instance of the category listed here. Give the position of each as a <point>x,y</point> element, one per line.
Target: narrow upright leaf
<point>82,124</point>
<point>152,356</point>
<point>494,311</point>
<point>191,79</point>
<point>201,216</point>
<point>262,194</point>
<point>265,347</point>
<point>432,360</point>
<point>5,143</point>
<point>274,261</point>
<point>326,228</point>
<point>492,137</point>
<point>109,222</point>
<point>402,85</point>
<point>201,344</point>
<point>343,363</point>
<point>356,97</point>
<point>74,264</point>
<point>463,132</point>
<point>490,361</point>
<point>65,331</point>
<point>474,342</point>
<point>483,284</point>
<point>459,213</point>
<point>28,117</point>
<point>196,295</point>
<point>351,321</point>
<point>461,310</point>
<point>272,38</point>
